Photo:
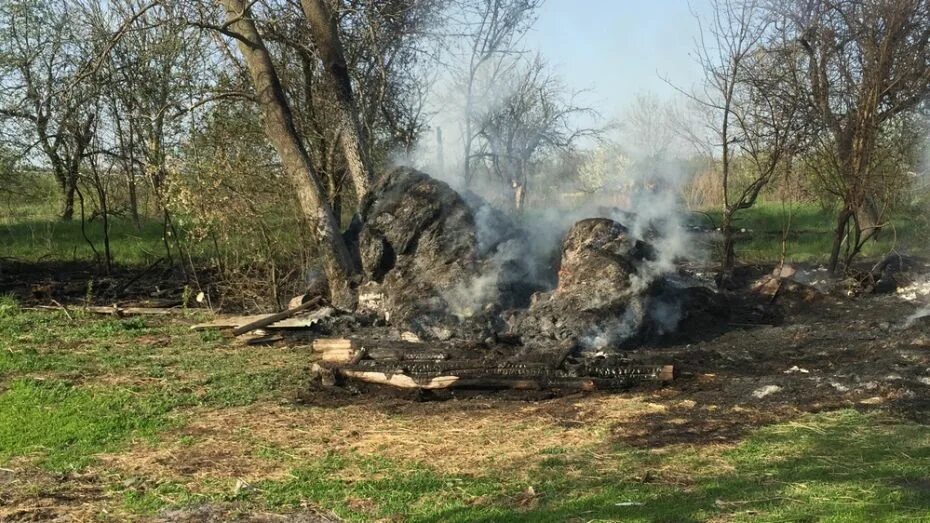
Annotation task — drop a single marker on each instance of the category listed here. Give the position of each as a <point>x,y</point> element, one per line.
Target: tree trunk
<point>325,34</point>
<point>838,235</point>
<point>282,133</point>
<point>519,195</point>
<point>105,218</point>
<point>467,173</point>
<point>72,165</point>
<point>131,177</point>
<point>133,200</point>
<point>69,188</point>
<point>440,161</point>
<point>728,261</point>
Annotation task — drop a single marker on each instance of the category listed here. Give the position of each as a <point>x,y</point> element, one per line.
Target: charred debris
<point>456,294</point>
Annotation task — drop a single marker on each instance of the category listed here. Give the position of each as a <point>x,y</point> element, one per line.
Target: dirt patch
<point>76,281</point>
<point>219,513</point>
<point>773,360</point>
<point>27,494</point>
<point>470,436</point>
<point>210,447</point>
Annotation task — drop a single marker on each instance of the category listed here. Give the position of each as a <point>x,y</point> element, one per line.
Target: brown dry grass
<point>204,450</point>
<point>506,437</point>
<point>29,495</point>
<point>451,438</point>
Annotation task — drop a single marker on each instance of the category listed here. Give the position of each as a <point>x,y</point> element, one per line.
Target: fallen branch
<point>65,309</point>
<point>232,322</point>
<point>265,339</point>
<point>122,288</point>
<point>113,310</point>
<point>272,318</point>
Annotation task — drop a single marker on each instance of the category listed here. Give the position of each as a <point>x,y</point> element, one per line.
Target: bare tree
<point>382,45</point>
<point>752,110</point>
<point>493,29</point>
<point>534,115</point>
<point>158,70</point>
<point>325,32</point>
<point>865,63</point>
<point>40,92</point>
<point>285,138</point>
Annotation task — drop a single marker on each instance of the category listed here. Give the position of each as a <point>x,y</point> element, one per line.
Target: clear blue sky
<point>619,48</point>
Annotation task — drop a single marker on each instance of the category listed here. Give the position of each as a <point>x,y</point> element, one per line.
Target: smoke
<point>518,258</point>
<point>613,333</point>
<point>634,178</point>
<point>657,218</point>
<point>521,252</point>
<point>919,289</point>
<point>656,215</point>
<point>472,296</point>
<point>920,313</point>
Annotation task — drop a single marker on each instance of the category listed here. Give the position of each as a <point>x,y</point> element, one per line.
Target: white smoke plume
<point>635,181</point>
<point>606,336</point>
<point>920,313</point>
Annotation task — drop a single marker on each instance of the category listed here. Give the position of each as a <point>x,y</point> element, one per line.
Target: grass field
<point>810,236</point>
<point>115,419</point>
<point>30,231</point>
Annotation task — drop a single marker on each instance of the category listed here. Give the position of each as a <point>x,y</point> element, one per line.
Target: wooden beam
<point>115,310</point>
<point>495,378</point>
<point>402,381</point>
<point>231,322</point>
<point>405,381</point>
<point>667,373</point>
<point>327,344</point>
<point>278,316</point>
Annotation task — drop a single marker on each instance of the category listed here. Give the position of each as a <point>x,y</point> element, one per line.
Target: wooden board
<point>296,322</point>
<point>116,311</point>
<point>491,381</point>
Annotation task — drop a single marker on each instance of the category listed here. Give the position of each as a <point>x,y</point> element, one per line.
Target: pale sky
<point>619,48</point>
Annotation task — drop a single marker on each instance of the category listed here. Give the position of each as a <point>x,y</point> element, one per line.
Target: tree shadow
<point>842,465</point>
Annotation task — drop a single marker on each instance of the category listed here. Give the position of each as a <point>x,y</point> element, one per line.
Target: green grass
<point>71,390</point>
<point>30,230</point>
<point>843,466</point>
<point>811,233</point>
<point>56,406</point>
<point>55,240</point>
<point>65,425</point>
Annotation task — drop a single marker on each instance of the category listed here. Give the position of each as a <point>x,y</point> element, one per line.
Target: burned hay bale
<point>412,222</point>
<point>679,309</point>
<point>416,241</point>
<point>608,296</point>
<point>600,260</point>
<point>595,291</point>
<point>444,267</point>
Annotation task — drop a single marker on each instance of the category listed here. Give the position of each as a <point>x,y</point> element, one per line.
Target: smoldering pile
<point>446,266</point>
<point>455,291</point>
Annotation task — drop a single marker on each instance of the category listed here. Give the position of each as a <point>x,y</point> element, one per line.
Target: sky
<point>619,49</point>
